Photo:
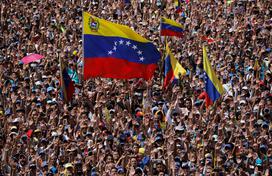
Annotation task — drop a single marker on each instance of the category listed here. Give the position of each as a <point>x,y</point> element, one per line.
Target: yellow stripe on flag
<point>171,22</point>
<point>96,26</point>
<point>210,72</point>
<point>176,66</point>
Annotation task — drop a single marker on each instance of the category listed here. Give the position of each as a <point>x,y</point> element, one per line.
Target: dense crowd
<point>136,127</point>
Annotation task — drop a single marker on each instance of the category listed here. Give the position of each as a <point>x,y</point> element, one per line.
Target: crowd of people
<point>136,127</point>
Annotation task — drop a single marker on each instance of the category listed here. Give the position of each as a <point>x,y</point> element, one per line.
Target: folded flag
<point>172,68</point>
<point>115,51</point>
<point>67,84</point>
<point>256,65</point>
<point>171,28</point>
<point>205,96</point>
<point>208,39</point>
<point>213,86</point>
<point>178,6</point>
<point>73,75</point>
<point>256,69</point>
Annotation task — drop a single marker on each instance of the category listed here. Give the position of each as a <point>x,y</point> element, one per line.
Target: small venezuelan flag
<point>213,86</point>
<point>67,84</point>
<point>171,28</point>
<point>115,51</point>
<point>178,6</point>
<point>172,68</point>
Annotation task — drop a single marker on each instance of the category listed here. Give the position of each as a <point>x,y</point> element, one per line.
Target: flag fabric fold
<point>115,51</point>
<point>73,75</point>
<point>171,28</point>
<point>208,39</point>
<point>213,86</point>
<point>67,84</point>
<point>172,68</point>
<point>178,6</point>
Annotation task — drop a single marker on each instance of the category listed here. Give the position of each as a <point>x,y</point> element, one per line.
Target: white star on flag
<point>114,48</point>
<point>128,43</point>
<point>205,78</point>
<point>115,43</point>
<point>110,52</point>
<point>121,42</point>
<point>141,58</point>
<point>139,52</point>
<point>134,47</point>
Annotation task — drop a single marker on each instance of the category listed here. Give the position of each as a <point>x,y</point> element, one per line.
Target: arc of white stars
<point>205,77</point>
<point>128,43</point>
<point>140,52</point>
<point>121,42</point>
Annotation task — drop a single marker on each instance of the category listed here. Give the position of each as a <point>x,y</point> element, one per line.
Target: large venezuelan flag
<point>171,28</point>
<point>214,88</point>
<point>172,68</point>
<point>115,51</point>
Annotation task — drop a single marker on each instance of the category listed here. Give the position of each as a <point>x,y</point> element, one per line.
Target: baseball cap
<point>258,162</point>
<point>8,111</point>
<point>53,170</point>
<point>139,114</point>
<point>94,174</point>
<point>16,120</point>
<point>13,128</point>
<point>141,151</point>
<point>49,89</point>
<point>67,165</point>
<point>179,128</point>
<point>158,138</point>
<point>44,164</point>
<point>120,170</point>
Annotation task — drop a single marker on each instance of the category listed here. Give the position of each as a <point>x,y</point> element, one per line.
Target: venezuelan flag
<point>214,88</point>
<point>115,51</point>
<point>171,28</point>
<point>172,68</point>
<point>67,84</point>
<point>178,6</point>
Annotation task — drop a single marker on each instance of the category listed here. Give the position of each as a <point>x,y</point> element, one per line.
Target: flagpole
<point>82,35</point>
<point>61,77</point>
<point>163,61</point>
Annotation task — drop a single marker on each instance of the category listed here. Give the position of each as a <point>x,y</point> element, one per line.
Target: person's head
<point>115,155</point>
<point>109,159</point>
<point>138,171</point>
<point>160,167</point>
<point>69,168</point>
<point>133,162</point>
<point>32,168</point>
<point>113,171</point>
<point>161,174</point>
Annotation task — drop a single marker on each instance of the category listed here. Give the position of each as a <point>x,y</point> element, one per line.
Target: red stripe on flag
<point>70,91</point>
<point>168,78</point>
<point>205,96</point>
<point>117,68</point>
<point>166,32</point>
